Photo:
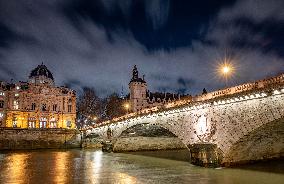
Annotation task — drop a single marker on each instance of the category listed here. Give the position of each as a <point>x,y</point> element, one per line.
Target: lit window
<point>16,104</point>
<point>42,123</point>
<point>14,122</point>
<point>17,87</point>
<point>52,123</point>
<point>17,94</point>
<point>68,124</point>
<point>2,94</point>
<point>31,124</point>
<point>1,115</point>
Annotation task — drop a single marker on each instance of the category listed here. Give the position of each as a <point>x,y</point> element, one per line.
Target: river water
<point>94,166</point>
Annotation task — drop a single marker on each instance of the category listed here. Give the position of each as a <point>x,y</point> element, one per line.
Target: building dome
<point>41,75</point>
<point>41,70</point>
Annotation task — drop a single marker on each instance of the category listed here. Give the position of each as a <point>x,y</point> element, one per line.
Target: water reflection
<point>61,168</point>
<point>91,166</point>
<point>15,169</point>
<point>124,178</point>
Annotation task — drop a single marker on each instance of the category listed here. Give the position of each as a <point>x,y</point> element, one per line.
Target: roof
<point>41,70</point>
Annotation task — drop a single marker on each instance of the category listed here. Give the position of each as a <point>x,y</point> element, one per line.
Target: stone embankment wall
<point>147,143</point>
<point>13,139</point>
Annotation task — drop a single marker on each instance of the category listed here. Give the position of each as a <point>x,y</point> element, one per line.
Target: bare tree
<point>89,107</point>
<point>114,106</point>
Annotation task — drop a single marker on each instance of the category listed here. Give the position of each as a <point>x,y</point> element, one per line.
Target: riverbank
<point>24,139</point>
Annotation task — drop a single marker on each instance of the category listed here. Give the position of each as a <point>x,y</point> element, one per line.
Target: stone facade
<point>37,103</point>
<point>233,121</point>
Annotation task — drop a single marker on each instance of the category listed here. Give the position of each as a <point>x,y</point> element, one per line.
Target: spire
<point>135,73</point>
<point>122,93</point>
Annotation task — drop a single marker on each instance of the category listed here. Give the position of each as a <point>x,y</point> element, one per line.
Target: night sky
<point>177,44</point>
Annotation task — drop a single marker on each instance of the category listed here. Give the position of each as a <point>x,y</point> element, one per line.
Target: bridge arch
<point>146,135</point>
<point>264,142</point>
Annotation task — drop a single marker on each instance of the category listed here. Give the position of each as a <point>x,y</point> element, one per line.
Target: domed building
<point>37,103</point>
<point>41,75</point>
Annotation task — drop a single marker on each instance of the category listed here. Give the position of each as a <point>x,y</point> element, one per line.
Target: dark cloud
<point>96,43</point>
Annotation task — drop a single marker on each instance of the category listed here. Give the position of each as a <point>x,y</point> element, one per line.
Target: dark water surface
<point>93,166</point>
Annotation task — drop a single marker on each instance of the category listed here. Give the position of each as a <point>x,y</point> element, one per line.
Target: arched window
<point>43,107</point>
<point>69,105</point>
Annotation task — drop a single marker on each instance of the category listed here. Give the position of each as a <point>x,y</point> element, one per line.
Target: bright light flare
<point>226,69</point>
<point>126,105</point>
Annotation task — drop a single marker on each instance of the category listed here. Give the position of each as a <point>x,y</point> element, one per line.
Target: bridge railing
<point>258,85</point>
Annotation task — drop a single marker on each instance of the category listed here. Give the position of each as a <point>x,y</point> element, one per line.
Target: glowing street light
<point>127,106</point>
<point>226,69</point>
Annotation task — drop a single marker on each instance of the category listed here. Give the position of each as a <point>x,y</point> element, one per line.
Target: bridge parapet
<point>258,89</point>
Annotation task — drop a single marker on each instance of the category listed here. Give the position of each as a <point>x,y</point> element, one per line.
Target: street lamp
<point>127,106</point>
<point>225,70</point>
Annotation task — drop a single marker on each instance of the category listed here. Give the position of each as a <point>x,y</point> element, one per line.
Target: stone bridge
<point>230,126</point>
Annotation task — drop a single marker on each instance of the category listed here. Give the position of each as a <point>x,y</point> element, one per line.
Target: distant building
<point>37,103</point>
<point>141,98</point>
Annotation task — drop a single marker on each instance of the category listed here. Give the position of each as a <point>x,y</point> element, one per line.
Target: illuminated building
<point>37,103</point>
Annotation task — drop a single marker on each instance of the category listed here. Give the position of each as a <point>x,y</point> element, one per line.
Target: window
<point>68,123</point>
<point>1,115</point>
<point>17,94</point>
<point>16,104</point>
<point>18,87</point>
<point>54,107</point>
<point>2,94</point>
<point>14,122</point>
<point>1,103</point>
<point>69,105</point>
<point>32,122</point>
<point>69,108</point>
<point>52,123</point>
<point>33,106</point>
<point>43,107</point>
<point>42,123</point>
